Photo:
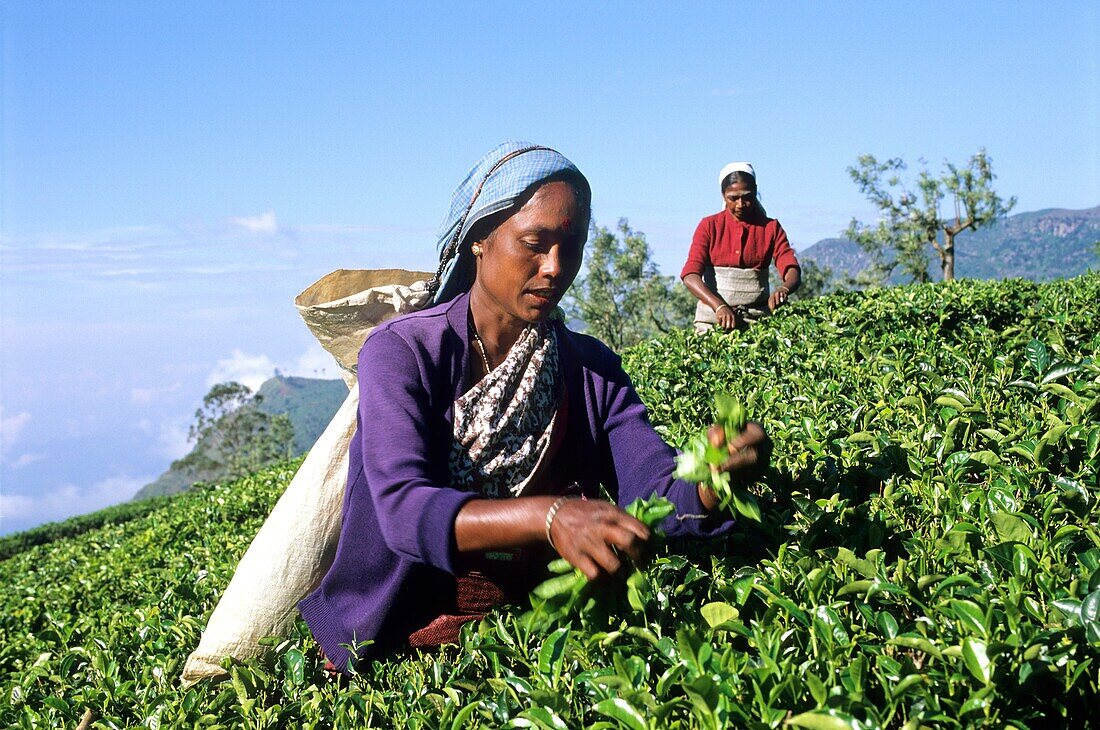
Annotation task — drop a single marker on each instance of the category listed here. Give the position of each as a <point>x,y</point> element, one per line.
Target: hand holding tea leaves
<point>569,587</point>
<point>710,455</point>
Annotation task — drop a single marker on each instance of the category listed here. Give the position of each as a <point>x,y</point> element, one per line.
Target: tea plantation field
<point>929,556</point>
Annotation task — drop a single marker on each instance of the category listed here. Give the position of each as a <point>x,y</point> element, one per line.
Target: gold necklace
<point>481,351</point>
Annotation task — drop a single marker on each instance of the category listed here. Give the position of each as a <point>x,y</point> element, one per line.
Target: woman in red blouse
<point>727,265</point>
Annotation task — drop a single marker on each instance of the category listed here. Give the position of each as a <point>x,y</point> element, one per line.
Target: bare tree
<point>911,218</point>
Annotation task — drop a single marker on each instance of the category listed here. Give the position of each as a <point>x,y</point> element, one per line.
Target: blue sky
<point>172,174</point>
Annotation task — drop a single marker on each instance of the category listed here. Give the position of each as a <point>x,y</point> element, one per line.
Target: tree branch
<point>958,227</point>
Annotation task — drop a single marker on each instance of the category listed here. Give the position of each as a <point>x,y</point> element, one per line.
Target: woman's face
<point>739,199</point>
<point>530,259</point>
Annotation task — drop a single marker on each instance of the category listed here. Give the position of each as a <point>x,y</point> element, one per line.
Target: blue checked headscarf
<point>494,184</point>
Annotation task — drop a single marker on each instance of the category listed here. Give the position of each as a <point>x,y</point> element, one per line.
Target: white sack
<point>287,558</point>
<point>296,544</point>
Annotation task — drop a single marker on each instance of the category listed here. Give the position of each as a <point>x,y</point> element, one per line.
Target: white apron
<point>748,288</point>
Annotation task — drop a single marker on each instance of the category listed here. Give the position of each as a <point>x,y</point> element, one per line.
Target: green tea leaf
<point>1072,488</point>
<point>553,648</point>
<point>864,567</point>
<point>463,716</point>
<point>746,504</point>
<point>970,615</point>
<point>295,663</point>
<point>1090,617</point>
<point>559,566</point>
<point>787,604</point>
<point>619,709</point>
<point>887,624</point>
<point>730,412</point>
<point>914,641</point>
<point>544,718</point>
<point>952,402</point>
<point>825,720</point>
<point>856,586</point>
<point>559,585</point>
<point>698,459</point>
<point>1060,371</point>
<point>817,688</point>
<point>1038,355</point>
<point>829,625</point>
<point>1011,528</point>
<point>717,614</point>
<point>976,659</point>
<point>56,703</point>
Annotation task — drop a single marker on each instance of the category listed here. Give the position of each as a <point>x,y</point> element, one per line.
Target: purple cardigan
<point>397,544</point>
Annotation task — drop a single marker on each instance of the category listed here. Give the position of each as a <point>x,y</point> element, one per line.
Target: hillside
<point>310,403</point>
<point>1040,245</point>
<point>928,556</point>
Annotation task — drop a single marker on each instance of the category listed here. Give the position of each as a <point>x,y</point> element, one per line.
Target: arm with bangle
<point>587,533</point>
<point>725,314</point>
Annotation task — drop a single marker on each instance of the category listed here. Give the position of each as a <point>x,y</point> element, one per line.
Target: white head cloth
<point>736,167</point>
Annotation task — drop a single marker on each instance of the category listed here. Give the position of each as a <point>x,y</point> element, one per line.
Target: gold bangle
<point>722,305</point>
<point>550,515</point>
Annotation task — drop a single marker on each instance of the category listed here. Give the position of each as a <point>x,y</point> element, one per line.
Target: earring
<point>476,249</point>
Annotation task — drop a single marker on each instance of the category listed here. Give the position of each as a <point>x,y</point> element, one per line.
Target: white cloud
<point>14,507</point>
<point>241,268</point>
<point>119,239</point>
<point>250,370</point>
<point>263,223</point>
<point>142,396</point>
<point>69,499</point>
<point>11,427</point>
<point>315,363</point>
<point>221,315</point>
<point>131,272</point>
<point>171,438</point>
<point>177,253</point>
<point>146,396</point>
<point>358,229</point>
<point>26,459</point>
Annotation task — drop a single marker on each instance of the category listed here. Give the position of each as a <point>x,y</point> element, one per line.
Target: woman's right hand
<point>597,537</point>
<point>727,317</point>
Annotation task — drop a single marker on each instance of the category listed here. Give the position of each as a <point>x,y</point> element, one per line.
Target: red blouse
<point>722,240</point>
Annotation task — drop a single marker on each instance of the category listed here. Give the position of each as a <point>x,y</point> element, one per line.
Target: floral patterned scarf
<point>503,425</point>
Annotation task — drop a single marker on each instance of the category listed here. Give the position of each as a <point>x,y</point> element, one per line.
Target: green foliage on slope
<point>51,531</point>
<point>309,403</point>
<point>928,555</point>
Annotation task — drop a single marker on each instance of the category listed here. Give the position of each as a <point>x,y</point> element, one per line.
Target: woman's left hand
<point>778,298</point>
<point>750,454</point>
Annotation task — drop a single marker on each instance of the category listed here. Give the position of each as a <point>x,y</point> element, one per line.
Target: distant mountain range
<point>1041,245</point>
<point>309,402</point>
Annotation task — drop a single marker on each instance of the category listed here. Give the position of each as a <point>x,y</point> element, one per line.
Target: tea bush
<point>928,556</point>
